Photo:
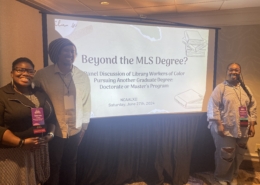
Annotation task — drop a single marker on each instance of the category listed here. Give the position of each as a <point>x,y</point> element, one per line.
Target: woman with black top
<point>27,123</point>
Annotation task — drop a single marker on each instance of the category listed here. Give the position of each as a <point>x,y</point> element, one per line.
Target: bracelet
<point>51,133</point>
<point>21,143</point>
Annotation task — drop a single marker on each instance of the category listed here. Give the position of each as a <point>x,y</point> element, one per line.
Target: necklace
<point>67,86</point>
<point>29,94</point>
<point>26,95</point>
<point>30,97</point>
<point>238,97</point>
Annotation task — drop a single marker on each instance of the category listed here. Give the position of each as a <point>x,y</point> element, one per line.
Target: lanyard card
<point>69,102</point>
<point>38,120</point>
<point>243,116</point>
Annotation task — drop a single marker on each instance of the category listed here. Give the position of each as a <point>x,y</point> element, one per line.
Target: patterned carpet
<point>249,174</point>
<point>245,177</point>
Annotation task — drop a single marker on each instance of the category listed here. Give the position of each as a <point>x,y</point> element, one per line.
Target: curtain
<point>155,149</point>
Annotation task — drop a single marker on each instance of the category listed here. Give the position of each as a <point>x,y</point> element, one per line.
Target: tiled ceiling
<point>137,8</point>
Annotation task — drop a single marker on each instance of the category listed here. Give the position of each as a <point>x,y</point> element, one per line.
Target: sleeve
<point>37,79</point>
<point>252,107</point>
<point>214,104</point>
<point>25,134</point>
<point>86,105</point>
<point>2,131</point>
<point>2,128</point>
<point>51,118</point>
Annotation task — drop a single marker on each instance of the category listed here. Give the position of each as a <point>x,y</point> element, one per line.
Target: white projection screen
<point>138,68</point>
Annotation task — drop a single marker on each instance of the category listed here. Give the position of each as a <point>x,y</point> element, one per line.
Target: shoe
<point>234,182</point>
<point>223,182</point>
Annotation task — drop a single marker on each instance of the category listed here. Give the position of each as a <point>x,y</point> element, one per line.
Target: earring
<point>12,82</point>
<point>32,85</point>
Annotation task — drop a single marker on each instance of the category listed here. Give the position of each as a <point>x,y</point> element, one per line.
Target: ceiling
<point>137,8</point>
<point>144,9</point>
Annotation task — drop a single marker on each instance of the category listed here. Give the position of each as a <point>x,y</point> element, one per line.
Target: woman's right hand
<point>31,143</point>
<point>220,129</point>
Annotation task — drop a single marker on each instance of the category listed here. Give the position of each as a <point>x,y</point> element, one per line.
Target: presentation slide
<point>139,69</point>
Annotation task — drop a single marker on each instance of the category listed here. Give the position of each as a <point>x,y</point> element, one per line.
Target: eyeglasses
<point>23,70</point>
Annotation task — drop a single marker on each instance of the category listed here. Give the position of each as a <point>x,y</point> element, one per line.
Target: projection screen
<point>139,68</point>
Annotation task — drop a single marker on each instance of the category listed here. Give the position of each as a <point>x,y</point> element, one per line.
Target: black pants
<point>63,160</point>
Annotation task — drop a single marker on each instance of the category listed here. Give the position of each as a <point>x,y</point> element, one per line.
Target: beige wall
<point>20,36</point>
<point>241,44</point>
<point>239,41</point>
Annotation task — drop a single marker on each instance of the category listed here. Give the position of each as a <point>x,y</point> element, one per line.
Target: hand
<point>251,131</point>
<point>220,129</point>
<point>45,139</point>
<point>31,143</point>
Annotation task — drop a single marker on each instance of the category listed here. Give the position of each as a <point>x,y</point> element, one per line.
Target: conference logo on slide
<point>195,45</point>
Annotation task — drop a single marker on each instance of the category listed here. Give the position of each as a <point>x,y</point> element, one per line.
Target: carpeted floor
<point>245,177</point>
<point>249,174</point>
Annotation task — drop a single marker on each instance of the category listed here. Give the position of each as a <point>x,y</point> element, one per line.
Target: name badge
<point>243,116</point>
<point>69,102</point>
<point>38,120</point>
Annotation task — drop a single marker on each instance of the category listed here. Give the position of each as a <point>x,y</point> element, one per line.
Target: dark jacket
<point>15,111</point>
<point>2,131</point>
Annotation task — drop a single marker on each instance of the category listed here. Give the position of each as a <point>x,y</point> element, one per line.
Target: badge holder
<point>38,120</point>
<point>243,116</point>
<point>69,102</point>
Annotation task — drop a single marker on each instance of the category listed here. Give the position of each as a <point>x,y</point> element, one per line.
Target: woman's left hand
<point>45,139</point>
<point>251,131</point>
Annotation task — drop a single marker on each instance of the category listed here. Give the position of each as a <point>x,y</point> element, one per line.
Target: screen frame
<point>128,20</point>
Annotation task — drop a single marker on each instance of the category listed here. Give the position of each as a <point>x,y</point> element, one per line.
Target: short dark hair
<point>22,59</point>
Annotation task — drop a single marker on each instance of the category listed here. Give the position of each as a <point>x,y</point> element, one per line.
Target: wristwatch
<point>51,134</point>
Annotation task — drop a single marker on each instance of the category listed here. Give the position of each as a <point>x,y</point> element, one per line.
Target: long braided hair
<point>242,83</point>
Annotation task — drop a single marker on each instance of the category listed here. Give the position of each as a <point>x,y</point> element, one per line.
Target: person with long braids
<point>27,124</point>
<point>232,117</point>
